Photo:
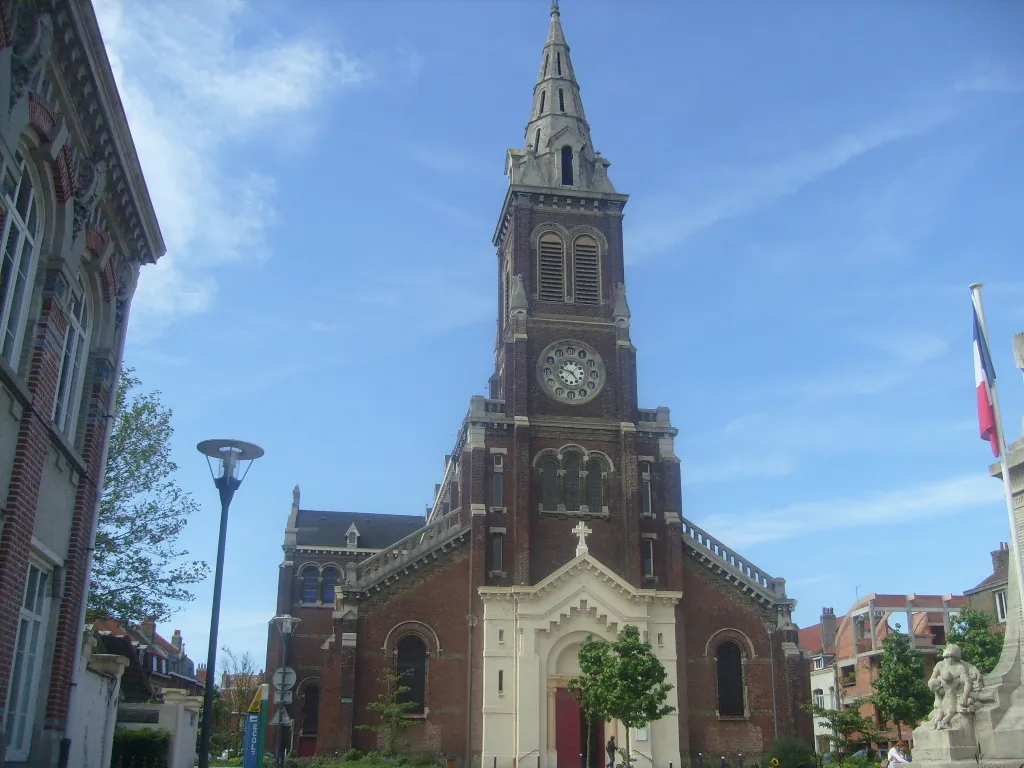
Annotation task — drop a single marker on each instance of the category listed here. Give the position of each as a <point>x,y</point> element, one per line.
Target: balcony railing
<point>404,553</point>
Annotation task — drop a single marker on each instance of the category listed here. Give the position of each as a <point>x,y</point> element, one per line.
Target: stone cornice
<point>519,194</point>
<point>81,56</point>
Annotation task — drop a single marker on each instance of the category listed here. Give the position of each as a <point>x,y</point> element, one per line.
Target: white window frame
<point>22,696</point>
<point>819,662</point>
<point>20,268</point>
<point>640,734</point>
<point>1001,606</point>
<point>819,697</point>
<point>74,350</point>
<point>646,500</point>
<point>647,559</point>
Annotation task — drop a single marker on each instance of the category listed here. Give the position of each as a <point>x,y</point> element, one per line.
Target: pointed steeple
<point>559,152</point>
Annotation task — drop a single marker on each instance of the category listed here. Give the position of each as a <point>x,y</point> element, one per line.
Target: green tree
<point>393,712</point>
<point>980,643</point>
<point>901,695</point>
<point>628,684</point>
<point>138,570</point>
<point>595,658</point>
<point>240,682</point>
<point>849,727</point>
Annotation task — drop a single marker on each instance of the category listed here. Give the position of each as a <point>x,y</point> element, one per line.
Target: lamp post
<point>285,624</point>
<point>228,475</point>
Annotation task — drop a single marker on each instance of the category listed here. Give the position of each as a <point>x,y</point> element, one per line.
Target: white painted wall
<point>823,679</point>
<point>179,716</point>
<point>99,685</point>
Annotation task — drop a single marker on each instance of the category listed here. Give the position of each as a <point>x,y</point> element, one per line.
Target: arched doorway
<point>571,729</point>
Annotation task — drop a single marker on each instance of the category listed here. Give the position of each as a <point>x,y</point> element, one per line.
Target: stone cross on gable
<point>582,531</point>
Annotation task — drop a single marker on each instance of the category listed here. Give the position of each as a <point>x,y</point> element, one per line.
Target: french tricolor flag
<point>984,379</point>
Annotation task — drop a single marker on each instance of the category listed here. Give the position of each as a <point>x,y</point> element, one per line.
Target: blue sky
<point>813,187</point>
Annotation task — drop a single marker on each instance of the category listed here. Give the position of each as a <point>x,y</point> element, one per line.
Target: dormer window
<point>352,537</point>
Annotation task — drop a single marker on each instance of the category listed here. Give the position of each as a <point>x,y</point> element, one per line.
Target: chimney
<point>148,629</point>
<point>1001,558</point>
<point>176,639</point>
<point>828,628</point>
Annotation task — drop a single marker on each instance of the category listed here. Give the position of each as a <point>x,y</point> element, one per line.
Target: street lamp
<point>285,624</point>
<point>230,455</point>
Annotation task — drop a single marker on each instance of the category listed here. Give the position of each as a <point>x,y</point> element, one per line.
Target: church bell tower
<point>565,367</point>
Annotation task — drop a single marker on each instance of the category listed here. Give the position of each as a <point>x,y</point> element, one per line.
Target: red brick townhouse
<point>76,224</point>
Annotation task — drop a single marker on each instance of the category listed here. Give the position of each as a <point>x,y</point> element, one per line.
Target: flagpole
<point>1001,442</point>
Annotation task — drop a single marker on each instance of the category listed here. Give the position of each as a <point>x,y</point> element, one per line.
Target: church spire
<point>559,152</point>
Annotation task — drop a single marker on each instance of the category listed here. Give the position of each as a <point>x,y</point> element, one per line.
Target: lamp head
<point>286,624</point>
<point>230,456</point>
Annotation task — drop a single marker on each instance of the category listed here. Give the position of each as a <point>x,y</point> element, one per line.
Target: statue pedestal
<point>944,746</point>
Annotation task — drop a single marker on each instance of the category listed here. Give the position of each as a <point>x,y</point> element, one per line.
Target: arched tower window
<point>571,478</point>
<point>586,271</point>
<point>76,345</point>
<point>328,581</point>
<point>536,142</point>
<point>543,98</point>
<point>310,584</point>
<point>311,709</point>
<point>411,668</point>
<point>18,258</point>
<point>594,496</point>
<point>558,60</point>
<point>567,166</point>
<point>551,267</point>
<point>561,100</point>
<point>548,484</point>
<point>729,661</point>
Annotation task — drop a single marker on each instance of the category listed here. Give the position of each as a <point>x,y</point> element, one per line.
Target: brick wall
<point>33,446</point>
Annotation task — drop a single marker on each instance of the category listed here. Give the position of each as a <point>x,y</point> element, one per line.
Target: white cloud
<point>958,496</point>
<point>730,193</point>
<point>191,90</point>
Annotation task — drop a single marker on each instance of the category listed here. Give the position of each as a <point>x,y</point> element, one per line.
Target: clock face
<point>571,372</point>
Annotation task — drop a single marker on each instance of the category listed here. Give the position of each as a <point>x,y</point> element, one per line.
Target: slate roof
<point>997,579</point>
<point>329,529</point>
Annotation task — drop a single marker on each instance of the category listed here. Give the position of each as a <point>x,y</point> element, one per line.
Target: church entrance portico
<point>531,639</point>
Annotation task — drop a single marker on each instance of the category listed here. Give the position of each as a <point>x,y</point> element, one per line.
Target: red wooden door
<point>307,746</point>
<point>568,744</point>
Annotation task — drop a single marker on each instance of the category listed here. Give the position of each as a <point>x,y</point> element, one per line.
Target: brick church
<point>559,515</point>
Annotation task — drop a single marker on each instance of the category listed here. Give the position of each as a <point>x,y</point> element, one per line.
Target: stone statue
<point>959,690</point>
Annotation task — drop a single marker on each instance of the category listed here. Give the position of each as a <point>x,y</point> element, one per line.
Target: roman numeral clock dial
<point>571,372</point>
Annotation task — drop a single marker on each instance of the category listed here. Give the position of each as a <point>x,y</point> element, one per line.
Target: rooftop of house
<point>1000,571</point>
<point>810,639</point>
<point>316,528</point>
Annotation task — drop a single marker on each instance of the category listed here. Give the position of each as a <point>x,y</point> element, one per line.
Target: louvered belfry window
<point>586,271</point>
<point>552,268</point>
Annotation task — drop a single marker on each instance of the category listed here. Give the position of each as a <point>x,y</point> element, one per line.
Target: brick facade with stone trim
<point>83,244</point>
<point>559,515</point>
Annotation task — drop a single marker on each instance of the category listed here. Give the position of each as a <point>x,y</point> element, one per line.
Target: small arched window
<point>571,478</point>
<point>548,484</point>
<point>594,496</point>
<point>18,257</point>
<point>411,668</point>
<point>551,267</point>
<point>536,141</point>
<point>819,698</point>
<point>543,98</point>
<point>72,366</point>
<point>558,60</point>
<point>567,166</point>
<point>729,663</point>
<point>561,100</point>
<point>311,709</point>
<point>310,584</point>
<point>328,581</point>
<point>586,271</point>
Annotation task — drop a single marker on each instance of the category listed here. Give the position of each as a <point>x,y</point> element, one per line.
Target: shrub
<point>139,747</point>
<point>790,753</point>
<point>352,756</point>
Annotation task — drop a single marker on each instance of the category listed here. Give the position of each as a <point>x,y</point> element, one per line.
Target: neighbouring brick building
<point>76,224</point>
<point>558,515</point>
<point>989,596</point>
<point>846,654</point>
